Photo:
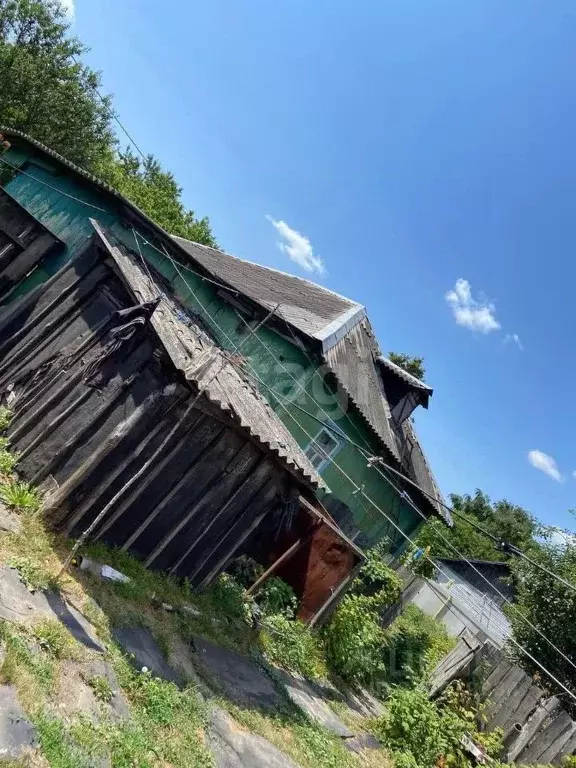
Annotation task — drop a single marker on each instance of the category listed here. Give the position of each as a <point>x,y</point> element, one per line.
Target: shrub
<point>7,461</point>
<point>292,645</point>
<point>20,496</point>
<point>229,597</point>
<point>416,643</point>
<point>354,641</point>
<point>377,580</point>
<point>424,734</point>
<point>277,597</point>
<point>245,570</point>
<point>5,418</point>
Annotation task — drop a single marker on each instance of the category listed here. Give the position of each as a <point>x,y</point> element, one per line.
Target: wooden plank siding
<point>24,243</point>
<point>94,396</point>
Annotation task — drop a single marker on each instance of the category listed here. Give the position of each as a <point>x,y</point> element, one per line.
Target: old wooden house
<point>309,354</point>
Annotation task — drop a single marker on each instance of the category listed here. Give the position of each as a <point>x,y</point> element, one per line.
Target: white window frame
<point>333,433</point>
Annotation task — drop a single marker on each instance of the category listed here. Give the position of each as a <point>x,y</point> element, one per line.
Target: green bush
<point>292,645</point>
<point>424,734</point>
<point>277,597</point>
<point>8,461</point>
<point>415,644</point>
<point>229,597</point>
<point>245,570</point>
<point>355,642</point>
<point>5,418</point>
<point>377,580</point>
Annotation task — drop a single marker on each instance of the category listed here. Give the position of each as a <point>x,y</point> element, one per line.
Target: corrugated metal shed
<point>210,369</point>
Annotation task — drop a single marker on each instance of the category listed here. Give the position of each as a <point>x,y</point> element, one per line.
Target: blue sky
<point>413,144</point>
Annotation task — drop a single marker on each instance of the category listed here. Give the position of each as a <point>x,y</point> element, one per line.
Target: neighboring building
<point>465,594</point>
<point>312,353</point>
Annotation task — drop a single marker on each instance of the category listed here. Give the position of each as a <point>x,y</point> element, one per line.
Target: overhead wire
<point>54,189</point>
<point>340,434</point>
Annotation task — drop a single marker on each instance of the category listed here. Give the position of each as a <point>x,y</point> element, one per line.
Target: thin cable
<point>153,286</point>
<point>113,114</point>
<point>54,189</point>
<point>479,573</point>
<point>543,568</point>
<point>328,426</point>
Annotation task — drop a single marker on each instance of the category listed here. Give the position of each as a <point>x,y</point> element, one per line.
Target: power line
<point>114,116</point>
<point>339,433</point>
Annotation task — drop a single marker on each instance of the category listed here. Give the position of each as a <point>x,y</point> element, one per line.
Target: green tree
<point>47,92</point>
<point>155,191</point>
<point>507,522</point>
<point>550,606</point>
<point>412,365</point>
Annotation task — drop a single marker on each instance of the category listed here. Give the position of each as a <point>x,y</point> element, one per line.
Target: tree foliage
<point>550,606</point>
<point>47,92</point>
<point>155,191</point>
<point>508,522</point>
<point>412,365</point>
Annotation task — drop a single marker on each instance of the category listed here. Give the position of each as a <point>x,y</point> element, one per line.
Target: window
<point>323,448</point>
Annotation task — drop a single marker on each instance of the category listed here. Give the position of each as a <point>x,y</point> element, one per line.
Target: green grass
<point>101,687</point>
<point>20,496</point>
<point>33,573</point>
<point>306,742</point>
<point>55,640</point>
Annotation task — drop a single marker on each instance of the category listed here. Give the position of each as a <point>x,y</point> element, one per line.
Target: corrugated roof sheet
<point>407,378</point>
<point>305,305</point>
<point>422,474</point>
<point>351,360</point>
<point>209,369</point>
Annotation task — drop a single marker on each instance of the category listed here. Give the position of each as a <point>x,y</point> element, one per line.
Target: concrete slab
<point>17,734</point>
<point>238,676</point>
<point>361,743</point>
<point>235,748</point>
<point>19,605</point>
<point>308,697</point>
<point>117,708</point>
<point>140,645</point>
<point>9,521</point>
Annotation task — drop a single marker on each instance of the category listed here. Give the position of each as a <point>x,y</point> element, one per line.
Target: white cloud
<point>477,314</point>
<point>297,247</point>
<point>545,464</point>
<point>574,474</point>
<point>68,6</point>
<point>515,339</point>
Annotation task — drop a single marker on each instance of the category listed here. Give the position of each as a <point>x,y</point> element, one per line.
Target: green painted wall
<point>66,211</point>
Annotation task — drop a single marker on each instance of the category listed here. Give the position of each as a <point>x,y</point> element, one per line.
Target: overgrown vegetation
<point>425,734</point>
<point>49,93</point>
